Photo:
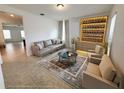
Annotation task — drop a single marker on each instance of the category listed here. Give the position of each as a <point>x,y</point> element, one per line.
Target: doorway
<point>12,35</point>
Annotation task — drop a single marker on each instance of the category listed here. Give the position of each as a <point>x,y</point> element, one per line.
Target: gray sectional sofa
<point>42,48</point>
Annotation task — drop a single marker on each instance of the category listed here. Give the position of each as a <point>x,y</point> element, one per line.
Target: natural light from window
<point>63,31</point>
<point>7,34</point>
<point>111,32</point>
<point>22,34</point>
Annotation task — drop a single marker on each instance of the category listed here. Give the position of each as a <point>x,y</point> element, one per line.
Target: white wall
<point>36,27</point>
<point>117,49</point>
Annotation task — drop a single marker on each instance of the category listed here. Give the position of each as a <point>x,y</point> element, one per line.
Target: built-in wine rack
<point>93,29</point>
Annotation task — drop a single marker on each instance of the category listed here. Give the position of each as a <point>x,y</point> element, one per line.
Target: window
<point>22,34</point>
<point>63,31</point>
<point>7,34</point>
<point>112,27</point>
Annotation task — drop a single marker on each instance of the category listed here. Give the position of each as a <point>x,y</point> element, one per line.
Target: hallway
<point>14,52</point>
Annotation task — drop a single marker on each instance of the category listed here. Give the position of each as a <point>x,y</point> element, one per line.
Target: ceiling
<point>7,14</point>
<point>69,10</point>
<point>6,18</point>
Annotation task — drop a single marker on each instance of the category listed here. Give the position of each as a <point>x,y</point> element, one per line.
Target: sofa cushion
<point>94,69</point>
<point>107,69</point>
<point>45,51</point>
<point>57,46</point>
<point>40,44</point>
<point>47,43</point>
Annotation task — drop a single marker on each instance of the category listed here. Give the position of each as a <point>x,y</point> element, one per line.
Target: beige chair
<point>98,52</point>
<point>100,73</point>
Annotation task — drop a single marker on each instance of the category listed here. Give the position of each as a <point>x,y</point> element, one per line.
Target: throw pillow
<point>39,45</point>
<point>106,68</point>
<point>42,44</point>
<point>53,41</point>
<point>47,43</point>
<point>58,41</point>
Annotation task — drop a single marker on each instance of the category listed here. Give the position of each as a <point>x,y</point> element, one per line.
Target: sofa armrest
<point>92,81</point>
<point>35,50</point>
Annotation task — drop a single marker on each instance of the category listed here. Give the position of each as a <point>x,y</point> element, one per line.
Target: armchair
<point>101,73</point>
<point>92,81</point>
<point>97,52</point>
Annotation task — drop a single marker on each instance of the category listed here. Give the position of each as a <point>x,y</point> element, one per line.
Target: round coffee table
<point>67,57</point>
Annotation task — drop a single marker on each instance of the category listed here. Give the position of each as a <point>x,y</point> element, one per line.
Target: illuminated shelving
<point>93,29</point>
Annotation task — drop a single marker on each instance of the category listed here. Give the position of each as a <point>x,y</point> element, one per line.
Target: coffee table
<point>67,57</point>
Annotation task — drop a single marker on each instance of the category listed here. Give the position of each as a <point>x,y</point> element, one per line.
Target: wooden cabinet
<point>93,29</point>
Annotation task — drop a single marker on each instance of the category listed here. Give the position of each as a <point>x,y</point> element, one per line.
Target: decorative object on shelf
<point>93,29</point>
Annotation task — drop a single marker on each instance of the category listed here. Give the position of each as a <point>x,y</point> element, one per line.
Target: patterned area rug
<point>72,74</point>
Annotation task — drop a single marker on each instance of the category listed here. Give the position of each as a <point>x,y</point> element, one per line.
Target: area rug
<point>72,74</point>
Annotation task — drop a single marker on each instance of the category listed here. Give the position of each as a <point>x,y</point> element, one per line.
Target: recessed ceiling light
<point>12,15</point>
<point>60,6</point>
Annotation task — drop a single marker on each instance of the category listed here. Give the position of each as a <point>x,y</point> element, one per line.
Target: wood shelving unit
<point>93,29</point>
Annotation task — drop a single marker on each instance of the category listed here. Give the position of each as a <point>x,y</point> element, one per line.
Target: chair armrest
<point>96,55</point>
<point>92,81</point>
<point>95,60</point>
